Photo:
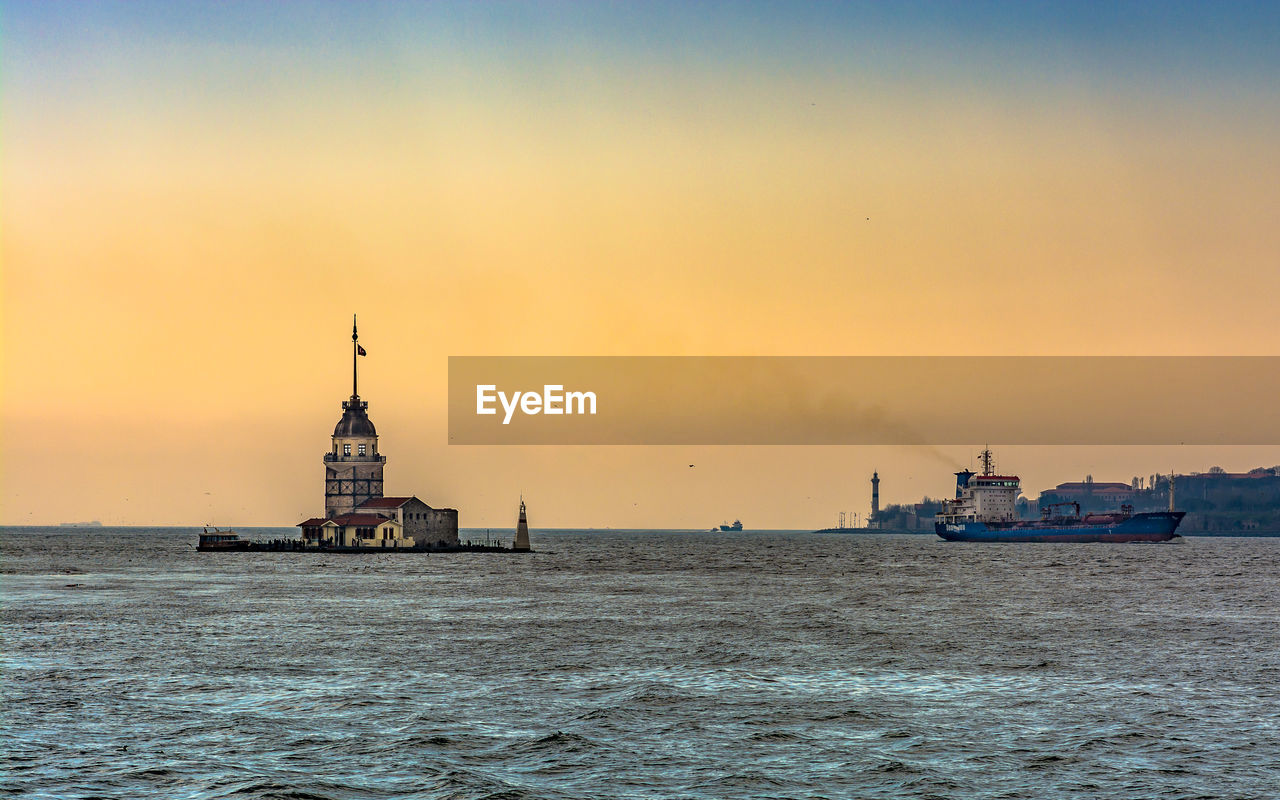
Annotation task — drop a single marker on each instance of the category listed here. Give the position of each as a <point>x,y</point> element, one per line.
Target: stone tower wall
<point>350,482</point>
<point>439,527</point>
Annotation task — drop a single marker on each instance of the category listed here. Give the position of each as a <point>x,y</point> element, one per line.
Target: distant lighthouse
<point>522,530</point>
<point>875,497</point>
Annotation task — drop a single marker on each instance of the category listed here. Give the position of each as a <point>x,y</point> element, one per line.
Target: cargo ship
<point>736,526</point>
<point>984,510</point>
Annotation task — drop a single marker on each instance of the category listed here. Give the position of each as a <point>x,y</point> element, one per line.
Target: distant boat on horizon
<point>93,523</point>
<point>736,526</point>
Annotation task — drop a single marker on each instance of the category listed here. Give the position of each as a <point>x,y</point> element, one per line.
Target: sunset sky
<point>196,198</point>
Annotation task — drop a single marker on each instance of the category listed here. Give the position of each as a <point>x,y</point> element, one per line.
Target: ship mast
<point>986,459</point>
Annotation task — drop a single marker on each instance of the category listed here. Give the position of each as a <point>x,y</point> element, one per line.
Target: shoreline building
<point>356,514</point>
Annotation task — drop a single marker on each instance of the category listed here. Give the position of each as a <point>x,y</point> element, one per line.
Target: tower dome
<point>355,420</point>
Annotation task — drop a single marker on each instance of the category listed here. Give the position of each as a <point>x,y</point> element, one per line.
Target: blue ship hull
<point>1159,526</point>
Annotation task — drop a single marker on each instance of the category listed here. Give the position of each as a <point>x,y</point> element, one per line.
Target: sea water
<point>640,665</point>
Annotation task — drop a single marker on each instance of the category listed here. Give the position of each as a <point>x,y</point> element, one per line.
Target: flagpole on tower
<point>355,350</point>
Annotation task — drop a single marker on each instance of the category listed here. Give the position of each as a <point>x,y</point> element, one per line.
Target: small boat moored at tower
<point>984,510</point>
<point>222,540</point>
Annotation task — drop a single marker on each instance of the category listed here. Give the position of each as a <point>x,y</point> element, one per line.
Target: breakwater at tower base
<point>217,541</point>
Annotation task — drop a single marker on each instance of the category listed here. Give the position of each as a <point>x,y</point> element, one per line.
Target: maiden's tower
<point>357,514</point>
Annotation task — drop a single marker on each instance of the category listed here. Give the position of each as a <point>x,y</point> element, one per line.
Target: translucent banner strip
<point>937,400</point>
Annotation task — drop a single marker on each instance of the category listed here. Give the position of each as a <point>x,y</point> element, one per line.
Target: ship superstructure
<point>982,498</point>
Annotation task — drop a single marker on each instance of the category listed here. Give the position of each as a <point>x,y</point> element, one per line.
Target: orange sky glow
<point>191,218</point>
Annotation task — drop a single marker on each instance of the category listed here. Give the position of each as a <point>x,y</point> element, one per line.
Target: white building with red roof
<point>355,530</point>
<point>1077,490</point>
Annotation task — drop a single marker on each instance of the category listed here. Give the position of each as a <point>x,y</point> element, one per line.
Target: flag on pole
<point>360,351</point>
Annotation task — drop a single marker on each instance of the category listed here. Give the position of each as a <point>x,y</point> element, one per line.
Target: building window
<point>346,449</point>
<point>361,449</point>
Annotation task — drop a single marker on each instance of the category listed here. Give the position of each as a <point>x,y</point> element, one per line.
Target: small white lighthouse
<point>522,530</point>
